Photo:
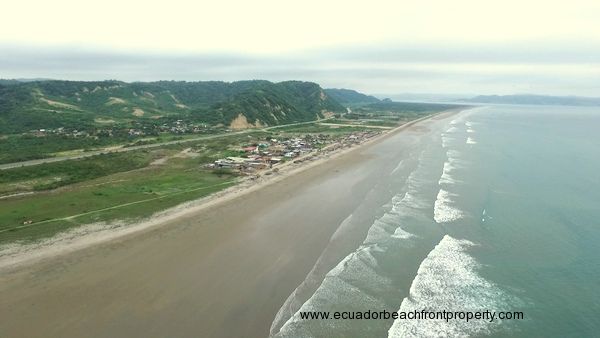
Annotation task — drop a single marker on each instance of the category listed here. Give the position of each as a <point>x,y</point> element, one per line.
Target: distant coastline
<point>529,99</point>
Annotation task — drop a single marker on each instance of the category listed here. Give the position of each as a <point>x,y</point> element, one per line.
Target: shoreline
<point>198,269</point>
<point>16,255</point>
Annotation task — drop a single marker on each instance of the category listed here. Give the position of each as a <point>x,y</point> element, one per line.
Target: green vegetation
<point>397,111</point>
<point>41,200</point>
<point>115,186</point>
<point>17,148</point>
<point>41,119</point>
<point>122,186</point>
<point>125,196</point>
<point>57,174</point>
<point>87,105</point>
<point>350,97</point>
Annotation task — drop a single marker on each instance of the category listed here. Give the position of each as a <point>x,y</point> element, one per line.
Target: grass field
<point>18,148</point>
<point>53,197</point>
<point>122,196</point>
<point>118,186</point>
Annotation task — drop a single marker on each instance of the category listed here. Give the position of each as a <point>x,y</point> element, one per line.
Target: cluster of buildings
<point>272,152</point>
<point>137,129</point>
<point>266,154</point>
<point>173,127</point>
<point>60,131</point>
<point>181,127</point>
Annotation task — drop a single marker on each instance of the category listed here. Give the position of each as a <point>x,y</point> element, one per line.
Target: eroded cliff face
<point>241,122</point>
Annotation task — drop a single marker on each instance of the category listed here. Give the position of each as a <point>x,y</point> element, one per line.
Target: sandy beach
<point>218,267</point>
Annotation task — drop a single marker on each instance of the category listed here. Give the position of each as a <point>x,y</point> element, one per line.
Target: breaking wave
<point>446,141</point>
<point>358,279</point>
<point>447,279</point>
<point>443,210</point>
<point>399,166</point>
<point>449,167</point>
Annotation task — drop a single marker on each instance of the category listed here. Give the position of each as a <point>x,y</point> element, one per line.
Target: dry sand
<point>220,267</point>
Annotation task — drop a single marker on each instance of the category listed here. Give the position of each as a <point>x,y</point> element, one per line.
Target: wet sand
<point>219,272</point>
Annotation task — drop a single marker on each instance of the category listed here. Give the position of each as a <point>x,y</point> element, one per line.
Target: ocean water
<point>496,208</point>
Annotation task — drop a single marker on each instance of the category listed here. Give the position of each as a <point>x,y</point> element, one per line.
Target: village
<point>271,153</point>
<point>136,128</point>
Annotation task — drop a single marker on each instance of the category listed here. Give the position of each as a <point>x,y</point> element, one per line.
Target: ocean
<point>493,209</point>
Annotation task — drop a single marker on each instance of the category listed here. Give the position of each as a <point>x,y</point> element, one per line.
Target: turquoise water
<point>540,169</point>
<point>494,209</point>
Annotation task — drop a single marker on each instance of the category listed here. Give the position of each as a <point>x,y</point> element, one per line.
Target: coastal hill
<point>536,99</point>
<point>36,105</point>
<point>350,97</point>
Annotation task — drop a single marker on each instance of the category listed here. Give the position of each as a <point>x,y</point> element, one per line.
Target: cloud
<point>543,68</point>
<point>379,46</point>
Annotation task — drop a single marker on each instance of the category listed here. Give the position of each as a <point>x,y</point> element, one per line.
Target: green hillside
<point>349,97</point>
<point>26,106</point>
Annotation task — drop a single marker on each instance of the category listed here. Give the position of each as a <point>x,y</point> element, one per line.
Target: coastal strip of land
<point>133,148</point>
<point>221,266</point>
<point>83,236</point>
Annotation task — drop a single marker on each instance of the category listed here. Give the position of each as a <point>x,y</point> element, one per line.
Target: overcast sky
<point>376,46</point>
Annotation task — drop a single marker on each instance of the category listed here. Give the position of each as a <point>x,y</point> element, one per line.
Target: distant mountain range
<point>424,97</point>
<point>536,99</point>
<point>28,105</point>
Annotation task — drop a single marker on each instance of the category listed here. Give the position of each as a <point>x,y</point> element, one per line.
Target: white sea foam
<point>446,179</point>
<point>470,130</point>
<point>410,201</point>
<point>357,279</point>
<point>443,210</point>
<point>468,123</point>
<point>381,230</point>
<point>354,279</point>
<point>447,173</point>
<point>446,141</point>
<point>447,279</point>
<point>398,167</point>
<point>452,163</point>
<point>388,225</point>
<point>452,130</point>
<point>453,154</point>
<point>397,199</point>
<point>399,233</point>
<point>470,140</point>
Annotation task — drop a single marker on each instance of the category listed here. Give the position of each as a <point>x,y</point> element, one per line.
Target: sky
<point>459,47</point>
